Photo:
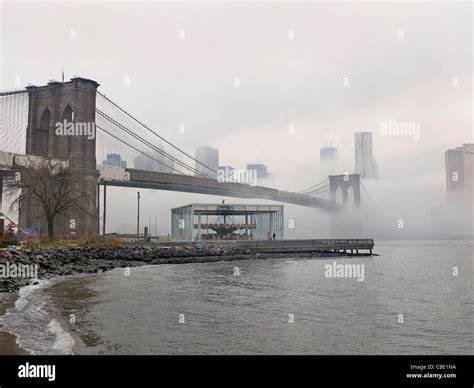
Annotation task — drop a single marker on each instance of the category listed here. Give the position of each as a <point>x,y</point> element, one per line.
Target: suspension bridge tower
<point>59,102</point>
<point>345,182</point>
<point>347,189</point>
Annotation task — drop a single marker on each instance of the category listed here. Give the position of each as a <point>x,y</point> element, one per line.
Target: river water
<point>416,297</point>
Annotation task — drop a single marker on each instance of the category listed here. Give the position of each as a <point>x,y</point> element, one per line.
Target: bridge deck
<point>187,183</point>
<point>194,184</point>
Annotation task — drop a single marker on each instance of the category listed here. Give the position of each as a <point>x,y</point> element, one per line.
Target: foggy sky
<point>283,82</point>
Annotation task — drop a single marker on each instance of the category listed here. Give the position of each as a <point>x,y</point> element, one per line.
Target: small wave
<point>32,324</point>
<point>63,342</point>
<point>26,291</point>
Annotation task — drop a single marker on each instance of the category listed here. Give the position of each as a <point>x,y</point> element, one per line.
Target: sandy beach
<point>8,345</point>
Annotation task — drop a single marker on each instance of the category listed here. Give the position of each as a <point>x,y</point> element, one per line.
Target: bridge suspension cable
<point>13,121</point>
<point>371,200</point>
<point>136,149</point>
<point>140,126</point>
<point>314,189</point>
<point>320,190</point>
<point>143,141</point>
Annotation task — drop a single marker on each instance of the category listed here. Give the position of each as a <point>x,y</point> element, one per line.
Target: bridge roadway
<point>194,184</point>
<point>116,176</point>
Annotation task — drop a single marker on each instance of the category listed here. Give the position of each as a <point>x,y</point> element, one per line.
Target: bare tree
<point>51,186</point>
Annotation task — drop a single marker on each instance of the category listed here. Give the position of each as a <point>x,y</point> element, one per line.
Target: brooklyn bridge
<point>30,117</point>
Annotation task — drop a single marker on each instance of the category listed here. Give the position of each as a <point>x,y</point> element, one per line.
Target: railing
<point>307,245</point>
<point>320,242</point>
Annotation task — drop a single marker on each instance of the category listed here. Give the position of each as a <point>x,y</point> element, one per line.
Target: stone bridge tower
<point>345,182</point>
<point>73,101</point>
<point>348,223</point>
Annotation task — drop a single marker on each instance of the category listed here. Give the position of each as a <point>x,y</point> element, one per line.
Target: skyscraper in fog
<point>459,172</point>
<point>114,160</point>
<point>365,164</point>
<point>458,215</point>
<point>328,154</point>
<point>328,161</point>
<point>261,169</point>
<point>209,157</point>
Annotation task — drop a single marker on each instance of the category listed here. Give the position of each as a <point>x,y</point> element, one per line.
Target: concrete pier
<point>361,246</point>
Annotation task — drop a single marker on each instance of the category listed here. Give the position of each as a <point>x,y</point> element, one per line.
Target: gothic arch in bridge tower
<point>350,195</point>
<point>349,185</point>
<point>64,143</point>
<point>42,133</point>
<point>338,195</point>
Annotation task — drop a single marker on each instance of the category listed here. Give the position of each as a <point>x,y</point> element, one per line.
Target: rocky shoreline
<point>53,262</point>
